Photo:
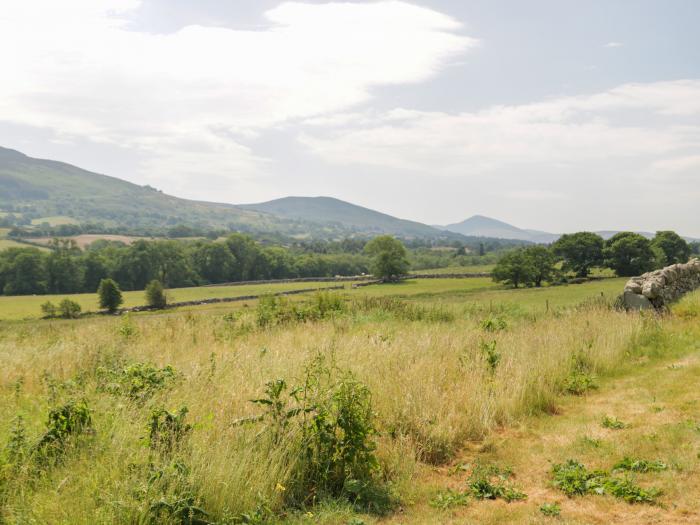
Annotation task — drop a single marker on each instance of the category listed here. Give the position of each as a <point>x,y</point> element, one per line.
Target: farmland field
<point>436,376</point>
<point>57,220</point>
<point>29,306</point>
<point>86,239</point>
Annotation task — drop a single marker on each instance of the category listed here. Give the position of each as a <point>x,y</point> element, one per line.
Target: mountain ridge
<point>480,225</point>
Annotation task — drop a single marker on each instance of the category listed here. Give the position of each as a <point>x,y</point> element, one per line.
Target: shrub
<point>49,309</point>
<point>69,309</point>
<point>155,295</point>
<point>110,295</point>
<point>333,414</point>
<point>138,381</point>
<point>167,431</point>
<point>494,324</point>
<point>491,356</point>
<point>64,422</point>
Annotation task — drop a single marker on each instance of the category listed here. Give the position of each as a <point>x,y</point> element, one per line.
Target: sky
<point>558,115</point>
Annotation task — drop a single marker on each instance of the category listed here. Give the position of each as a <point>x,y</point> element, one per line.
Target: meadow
<point>26,307</point>
<point>369,406</point>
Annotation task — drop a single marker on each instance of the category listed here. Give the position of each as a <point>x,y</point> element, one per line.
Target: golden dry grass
<point>432,390</point>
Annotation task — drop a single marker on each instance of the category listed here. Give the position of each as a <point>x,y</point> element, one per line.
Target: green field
<point>481,290</point>
<point>483,268</point>
<point>484,291</point>
<point>29,306</point>
<point>374,405</point>
<point>7,243</point>
<point>56,220</point>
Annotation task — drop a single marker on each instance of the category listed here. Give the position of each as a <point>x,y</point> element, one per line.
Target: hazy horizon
<point>554,116</point>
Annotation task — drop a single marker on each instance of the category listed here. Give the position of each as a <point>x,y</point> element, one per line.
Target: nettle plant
<point>332,413</point>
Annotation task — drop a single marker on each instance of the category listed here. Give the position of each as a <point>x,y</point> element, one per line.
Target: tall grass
<point>431,388</point>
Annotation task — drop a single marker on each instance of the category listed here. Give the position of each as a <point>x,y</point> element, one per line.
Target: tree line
<point>68,269</point>
<point>626,253</point>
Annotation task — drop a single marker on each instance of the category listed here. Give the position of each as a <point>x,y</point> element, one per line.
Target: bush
<point>110,295</point>
<point>155,295</point>
<point>49,309</point>
<point>335,420</point>
<point>64,422</point>
<point>138,381</point>
<point>167,431</point>
<point>69,309</point>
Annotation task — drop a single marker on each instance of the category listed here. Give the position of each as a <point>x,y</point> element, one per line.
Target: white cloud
<point>74,67</point>
<point>614,44</point>
<point>621,129</point>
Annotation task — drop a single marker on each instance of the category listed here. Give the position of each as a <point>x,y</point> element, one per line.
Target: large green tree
<point>580,252</point>
<point>542,260</point>
<point>389,257</point>
<point>110,295</point>
<point>515,268</point>
<point>629,254</point>
<point>214,262</point>
<point>673,248</point>
<point>250,262</point>
<point>22,271</point>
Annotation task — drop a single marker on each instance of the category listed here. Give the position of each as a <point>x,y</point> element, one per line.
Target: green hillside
<point>340,214</point>
<point>49,189</point>
<point>47,192</point>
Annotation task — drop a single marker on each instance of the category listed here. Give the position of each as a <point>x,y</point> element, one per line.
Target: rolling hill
<point>49,188</point>
<point>481,226</point>
<point>55,192</point>
<point>340,214</point>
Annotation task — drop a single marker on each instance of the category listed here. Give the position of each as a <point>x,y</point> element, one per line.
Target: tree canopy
<point>673,248</point>
<point>629,254</point>
<point>580,252</point>
<point>389,257</point>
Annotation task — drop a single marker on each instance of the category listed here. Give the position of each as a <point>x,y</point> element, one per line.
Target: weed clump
<point>449,499</point>
<point>491,482</point>
<point>574,479</point>
<point>275,310</point>
<point>550,509</point>
<point>332,420</point>
<point>491,355</point>
<point>138,381</point>
<point>612,423</point>
<point>393,307</point>
<point>167,431</point>
<point>494,324</point>
<point>64,424</point>
<point>640,465</point>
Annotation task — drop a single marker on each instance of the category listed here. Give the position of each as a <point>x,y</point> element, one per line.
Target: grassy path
<point>659,402</point>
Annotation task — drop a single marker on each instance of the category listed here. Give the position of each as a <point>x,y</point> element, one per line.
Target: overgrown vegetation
<point>348,395</point>
<point>574,479</point>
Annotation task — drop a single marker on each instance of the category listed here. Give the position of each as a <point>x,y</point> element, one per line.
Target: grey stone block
<point>634,301</point>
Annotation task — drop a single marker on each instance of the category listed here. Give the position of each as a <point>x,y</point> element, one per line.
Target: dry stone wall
<point>659,288</point>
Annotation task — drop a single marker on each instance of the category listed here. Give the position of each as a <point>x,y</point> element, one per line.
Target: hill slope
<point>46,189</point>
<point>51,188</point>
<point>341,214</point>
<point>481,226</point>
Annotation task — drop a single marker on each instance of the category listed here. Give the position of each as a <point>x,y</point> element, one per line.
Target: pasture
<point>433,376</point>
<point>29,306</point>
